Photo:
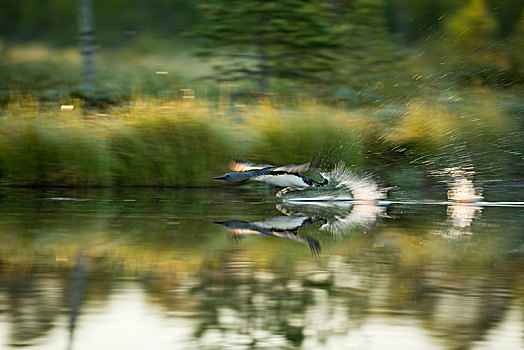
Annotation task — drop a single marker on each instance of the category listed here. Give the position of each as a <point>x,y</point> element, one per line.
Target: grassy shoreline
<point>167,143</point>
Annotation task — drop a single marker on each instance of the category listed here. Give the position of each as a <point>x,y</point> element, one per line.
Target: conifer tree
<point>368,50</point>
<point>259,40</point>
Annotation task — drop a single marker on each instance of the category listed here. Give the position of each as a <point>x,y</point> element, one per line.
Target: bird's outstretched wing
<point>240,165</point>
<point>293,168</point>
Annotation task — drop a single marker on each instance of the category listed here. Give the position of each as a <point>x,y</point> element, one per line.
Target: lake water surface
<point>235,269</point>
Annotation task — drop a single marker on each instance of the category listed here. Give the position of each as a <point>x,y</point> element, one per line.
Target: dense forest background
<point>119,22</point>
<point>335,48</point>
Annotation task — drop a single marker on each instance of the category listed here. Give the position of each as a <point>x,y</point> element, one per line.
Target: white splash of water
<point>361,215</point>
<point>361,188</point>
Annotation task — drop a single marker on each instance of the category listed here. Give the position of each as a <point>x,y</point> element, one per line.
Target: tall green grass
<point>43,152</point>
<point>170,145</point>
<point>181,146</point>
<point>157,142</point>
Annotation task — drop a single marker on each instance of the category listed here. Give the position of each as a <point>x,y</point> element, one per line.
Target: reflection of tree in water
<point>460,296</point>
<point>34,300</point>
<point>237,300</point>
<point>463,305</point>
<point>32,305</point>
<point>263,295</point>
<point>240,303</point>
<point>77,290</point>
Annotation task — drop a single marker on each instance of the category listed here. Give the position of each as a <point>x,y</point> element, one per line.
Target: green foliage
<point>411,112</point>
<point>38,152</point>
<point>473,22</point>
<point>471,52</point>
<point>515,49</point>
<point>163,143</point>
<point>368,57</point>
<point>343,51</point>
<point>53,74</point>
<point>167,151</point>
<point>508,14</point>
<point>299,134</point>
<point>260,40</point>
<point>414,21</point>
<point>116,21</point>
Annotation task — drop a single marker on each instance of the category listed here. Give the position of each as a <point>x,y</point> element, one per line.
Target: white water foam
<point>344,185</point>
<point>362,188</point>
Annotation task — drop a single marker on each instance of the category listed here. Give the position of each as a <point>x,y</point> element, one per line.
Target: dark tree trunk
<point>87,46</point>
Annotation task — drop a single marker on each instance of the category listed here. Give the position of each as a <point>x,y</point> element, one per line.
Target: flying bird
<point>287,176</point>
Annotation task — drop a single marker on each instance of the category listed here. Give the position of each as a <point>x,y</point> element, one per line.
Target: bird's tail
<point>313,244</point>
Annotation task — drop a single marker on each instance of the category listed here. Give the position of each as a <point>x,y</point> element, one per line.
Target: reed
<point>173,145</point>
<point>45,152</point>
<point>163,142</point>
<point>308,130</point>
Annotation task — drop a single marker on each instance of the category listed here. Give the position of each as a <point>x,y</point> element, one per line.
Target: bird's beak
<point>222,223</point>
<point>223,177</point>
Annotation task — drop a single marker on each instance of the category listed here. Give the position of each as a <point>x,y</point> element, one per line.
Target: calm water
<point>232,269</point>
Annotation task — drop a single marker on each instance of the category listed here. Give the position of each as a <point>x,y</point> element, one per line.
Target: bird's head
<point>232,224</point>
<point>234,176</point>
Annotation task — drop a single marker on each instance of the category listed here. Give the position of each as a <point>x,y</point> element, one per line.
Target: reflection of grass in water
<point>396,267</point>
<point>155,233</point>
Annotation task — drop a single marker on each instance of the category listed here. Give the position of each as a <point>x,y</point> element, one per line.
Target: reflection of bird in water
<point>287,176</point>
<point>280,226</point>
<point>340,216</point>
